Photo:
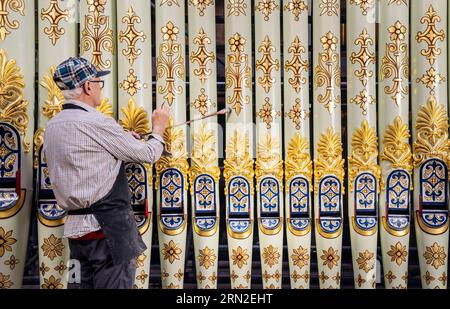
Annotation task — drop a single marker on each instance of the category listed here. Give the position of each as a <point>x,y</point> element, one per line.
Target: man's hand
<point>136,135</point>
<point>160,120</point>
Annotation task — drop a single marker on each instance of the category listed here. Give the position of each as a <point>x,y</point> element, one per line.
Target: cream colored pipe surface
<point>362,142</point>
<point>172,171</point>
<point>204,173</point>
<point>17,59</point>
<point>238,165</point>
<point>431,148</point>
<point>269,164</point>
<point>134,68</point>
<point>57,36</point>
<point>98,40</point>
<point>395,151</point>
<point>298,168</point>
<point>328,160</point>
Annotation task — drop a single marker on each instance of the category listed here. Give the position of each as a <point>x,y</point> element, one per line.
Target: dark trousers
<point>97,268</point>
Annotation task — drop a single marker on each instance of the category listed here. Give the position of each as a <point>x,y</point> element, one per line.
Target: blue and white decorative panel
<point>172,184</point>
<point>330,195</point>
<point>299,196</point>
<point>50,210</point>
<point>137,182</point>
<point>9,152</point>
<point>365,201</point>
<point>269,196</point>
<point>330,225</point>
<point>239,197</point>
<point>398,199</point>
<point>205,202</point>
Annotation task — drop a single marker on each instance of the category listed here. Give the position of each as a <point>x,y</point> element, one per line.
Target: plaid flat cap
<point>74,72</point>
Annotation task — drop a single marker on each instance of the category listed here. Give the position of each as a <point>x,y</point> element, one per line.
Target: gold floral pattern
<point>201,277</point>
<point>328,72</point>
<point>297,114</point>
<point>5,24</point>
<point>267,64</point>
<point>12,262</point>
<point>329,7</point>
<point>132,84</point>
<point>428,278</point>
<point>300,257</point>
<point>431,79</point>
<point>364,57</point>
<point>398,253</point>
<point>202,56</point>
<point>203,103</point>
<point>179,275</point>
<point>206,257</point>
<point>398,2</point>
<point>363,99</point>
<point>52,247</point>
<point>270,255</point>
<point>134,118</point>
<point>170,63</point>
<point>131,36</point>
<point>431,35</point>
<point>297,65</point>
<point>323,277</point>
<point>390,276</point>
<point>365,5</point>
<point>142,276</point>
<point>236,7</point>
<point>52,283</point>
<point>394,63</point>
<point>5,282</point>
<point>266,7</point>
<point>54,15</point>
<point>201,5</point>
<point>435,255</point>
<point>6,241</point>
<point>140,260</point>
<point>330,257</point>
<point>44,269</point>
<point>366,260</point>
<point>360,280</point>
<point>239,256</point>
<point>60,268</point>
<point>171,252</point>
<point>268,114</point>
<point>169,2</point>
<point>443,278</point>
<point>296,7</point>
<point>238,73</point>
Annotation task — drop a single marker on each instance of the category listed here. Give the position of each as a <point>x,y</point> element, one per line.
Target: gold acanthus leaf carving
<point>134,118</point>
<point>432,133</point>
<point>364,153</point>
<point>55,98</point>
<point>298,159</point>
<point>106,108</point>
<point>396,147</point>
<point>13,109</point>
<point>269,159</point>
<point>175,144</point>
<point>38,141</point>
<point>5,23</point>
<point>329,158</point>
<point>204,155</point>
<point>238,161</point>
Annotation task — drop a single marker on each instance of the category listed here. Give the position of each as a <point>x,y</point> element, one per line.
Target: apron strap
<point>73,106</point>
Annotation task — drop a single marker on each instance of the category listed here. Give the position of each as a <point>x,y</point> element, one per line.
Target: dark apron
<point>116,217</point>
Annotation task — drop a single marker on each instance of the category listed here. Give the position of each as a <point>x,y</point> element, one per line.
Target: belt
<point>91,236</point>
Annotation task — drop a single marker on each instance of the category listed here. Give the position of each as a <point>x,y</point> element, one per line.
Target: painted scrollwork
<point>131,36</point>
<point>54,15</point>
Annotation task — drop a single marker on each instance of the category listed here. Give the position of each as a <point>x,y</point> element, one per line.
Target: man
<point>85,152</point>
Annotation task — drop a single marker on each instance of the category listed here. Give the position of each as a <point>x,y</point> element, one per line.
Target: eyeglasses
<point>101,82</point>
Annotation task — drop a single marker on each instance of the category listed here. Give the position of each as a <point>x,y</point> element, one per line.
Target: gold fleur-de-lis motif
<point>266,64</point>
<point>266,7</point>
<point>55,99</point>
<point>431,35</point>
<point>396,147</point>
<point>13,108</point>
<point>134,118</point>
<point>363,99</point>
<point>328,72</point>
<point>203,102</point>
<point>364,153</point>
<point>132,84</point>
<point>431,79</point>
<point>236,7</point>
<point>170,63</point>
<point>297,114</point>
<point>329,7</point>
<point>169,2</point>
<point>297,65</point>
<point>202,56</point>
<point>365,5</point>
<point>201,5</point>
<point>268,114</point>
<point>54,15</point>
<point>296,7</point>
<point>5,24</point>
<point>394,63</point>
<point>432,133</point>
<point>97,34</point>
<point>329,158</point>
<point>364,57</point>
<point>131,36</point>
<point>238,73</point>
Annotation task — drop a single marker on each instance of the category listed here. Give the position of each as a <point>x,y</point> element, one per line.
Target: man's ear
<point>86,88</point>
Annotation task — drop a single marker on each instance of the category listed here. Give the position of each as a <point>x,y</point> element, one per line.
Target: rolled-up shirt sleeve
<point>124,146</point>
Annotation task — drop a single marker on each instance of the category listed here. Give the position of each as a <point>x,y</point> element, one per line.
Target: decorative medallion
<point>297,65</point>
<point>202,56</point>
<point>131,36</point>
<point>266,64</point>
<point>54,15</point>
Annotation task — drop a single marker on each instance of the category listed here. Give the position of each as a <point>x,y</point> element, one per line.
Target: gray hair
<point>72,93</point>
